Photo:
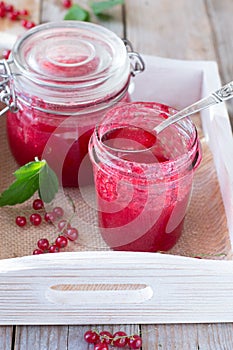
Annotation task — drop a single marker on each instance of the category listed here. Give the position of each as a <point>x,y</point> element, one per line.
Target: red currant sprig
<point>9,11</point>
<point>102,340</point>
<point>66,231</point>
<point>60,242</point>
<point>13,14</point>
<point>35,218</point>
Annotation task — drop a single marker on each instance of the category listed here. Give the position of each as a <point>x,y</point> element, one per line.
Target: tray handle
<point>80,288</point>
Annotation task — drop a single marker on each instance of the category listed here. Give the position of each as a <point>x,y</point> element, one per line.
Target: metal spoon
<point>220,95</point>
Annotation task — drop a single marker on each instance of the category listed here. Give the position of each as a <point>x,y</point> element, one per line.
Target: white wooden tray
<point>125,287</point>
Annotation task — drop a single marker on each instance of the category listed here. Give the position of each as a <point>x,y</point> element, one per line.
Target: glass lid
<point>71,52</point>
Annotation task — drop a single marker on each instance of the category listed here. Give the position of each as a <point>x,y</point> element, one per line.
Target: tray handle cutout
<point>106,293</point>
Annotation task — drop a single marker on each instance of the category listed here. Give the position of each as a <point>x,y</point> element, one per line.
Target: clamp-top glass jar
<point>63,76</point>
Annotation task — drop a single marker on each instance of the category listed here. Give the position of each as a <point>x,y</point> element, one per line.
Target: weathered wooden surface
<point>188,337</point>
<point>194,29</point>
<point>220,18</point>
<point>6,337</point>
<point>169,29</point>
<point>59,337</point>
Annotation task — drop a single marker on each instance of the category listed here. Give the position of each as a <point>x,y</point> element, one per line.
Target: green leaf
<point>32,177</point>
<point>99,7</point>
<point>77,13</point>
<point>19,191</point>
<point>48,184</point>
<point>104,17</point>
<point>29,169</point>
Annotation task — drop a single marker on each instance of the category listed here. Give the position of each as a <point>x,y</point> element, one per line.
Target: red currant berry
<point>6,53</point>
<point>24,22</point>
<point>58,212</point>
<point>54,249</point>
<point>61,242</point>
<point>71,233</point>
<point>2,12</point>
<point>91,337</point>
<point>9,8</point>
<point>101,346</point>
<point>38,204</point>
<point>49,217</point>
<point>29,25</point>
<point>14,15</point>
<point>20,221</point>
<point>35,219</point>
<point>63,224</point>
<point>43,244</point>
<point>106,337</point>
<point>119,339</point>
<point>135,342</point>
<point>67,3</point>
<point>37,252</point>
<point>24,12</point>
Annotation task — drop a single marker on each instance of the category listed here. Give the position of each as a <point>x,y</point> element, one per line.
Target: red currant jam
<point>70,73</point>
<point>30,136</point>
<point>143,182</point>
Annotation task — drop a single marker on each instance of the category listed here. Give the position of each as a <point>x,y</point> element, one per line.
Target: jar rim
<point>188,161</point>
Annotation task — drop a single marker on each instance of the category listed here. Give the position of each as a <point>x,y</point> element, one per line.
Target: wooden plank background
<point>194,29</point>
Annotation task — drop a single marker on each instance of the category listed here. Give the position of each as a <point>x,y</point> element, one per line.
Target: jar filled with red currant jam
<point>63,76</point>
<point>143,181</point>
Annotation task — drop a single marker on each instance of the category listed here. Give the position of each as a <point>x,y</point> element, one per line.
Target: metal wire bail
<point>7,91</point>
<point>136,61</point>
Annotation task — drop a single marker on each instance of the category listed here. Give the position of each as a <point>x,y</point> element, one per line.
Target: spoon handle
<point>220,95</point>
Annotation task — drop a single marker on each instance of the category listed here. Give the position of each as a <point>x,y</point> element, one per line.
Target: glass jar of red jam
<point>63,76</point>
<point>143,181</point>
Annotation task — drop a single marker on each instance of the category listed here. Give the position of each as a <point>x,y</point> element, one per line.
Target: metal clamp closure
<point>136,61</point>
<point>7,91</point>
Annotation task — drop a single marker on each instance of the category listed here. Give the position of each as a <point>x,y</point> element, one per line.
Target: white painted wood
<point>184,289</point>
<point>7,40</point>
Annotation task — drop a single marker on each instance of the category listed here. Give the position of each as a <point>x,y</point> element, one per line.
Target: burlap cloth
<point>205,232</point>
